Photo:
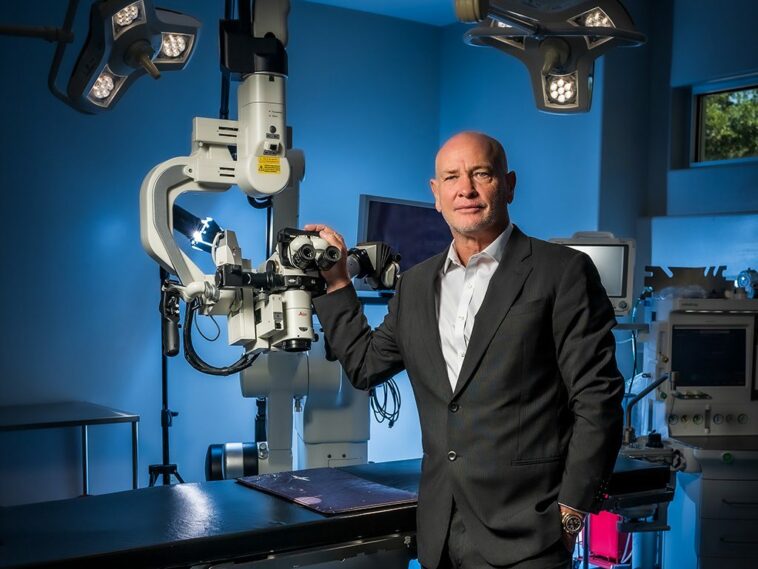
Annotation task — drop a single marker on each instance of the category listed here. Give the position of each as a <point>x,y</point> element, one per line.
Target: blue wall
<point>556,158</point>
<point>709,240</point>
<point>708,205</point>
<point>703,55</point>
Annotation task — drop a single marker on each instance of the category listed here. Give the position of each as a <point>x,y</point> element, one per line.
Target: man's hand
<point>569,541</point>
<point>337,277</point>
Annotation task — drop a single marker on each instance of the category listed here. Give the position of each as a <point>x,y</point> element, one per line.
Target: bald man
<point>508,346</point>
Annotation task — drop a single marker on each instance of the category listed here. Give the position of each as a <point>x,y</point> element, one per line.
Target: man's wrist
<point>572,520</point>
<point>337,285</point>
<point>565,508</point>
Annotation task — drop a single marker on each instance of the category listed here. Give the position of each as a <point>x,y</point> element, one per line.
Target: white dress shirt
<point>460,293</point>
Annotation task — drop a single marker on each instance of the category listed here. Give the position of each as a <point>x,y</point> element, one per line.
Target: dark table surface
<point>189,523</point>
<point>193,523</point>
<point>63,414</point>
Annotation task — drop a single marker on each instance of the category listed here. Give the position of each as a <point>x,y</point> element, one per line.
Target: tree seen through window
<point>728,124</point>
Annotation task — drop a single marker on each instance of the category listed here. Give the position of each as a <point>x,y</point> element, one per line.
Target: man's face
<point>469,191</point>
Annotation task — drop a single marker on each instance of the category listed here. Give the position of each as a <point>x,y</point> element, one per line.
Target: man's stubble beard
<point>470,230</point>
<point>499,207</point>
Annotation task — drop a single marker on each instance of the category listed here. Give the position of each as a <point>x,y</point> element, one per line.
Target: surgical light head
<point>557,40</point>
<point>125,41</point>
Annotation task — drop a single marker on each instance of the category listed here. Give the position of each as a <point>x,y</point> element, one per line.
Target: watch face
<point>572,523</point>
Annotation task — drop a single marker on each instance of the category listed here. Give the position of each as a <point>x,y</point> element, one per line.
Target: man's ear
<point>510,179</point>
<point>435,192</point>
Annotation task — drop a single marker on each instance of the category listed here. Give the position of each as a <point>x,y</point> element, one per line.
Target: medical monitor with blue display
<point>415,230</point>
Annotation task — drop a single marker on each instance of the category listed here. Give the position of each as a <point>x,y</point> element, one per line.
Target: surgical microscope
<point>268,309</point>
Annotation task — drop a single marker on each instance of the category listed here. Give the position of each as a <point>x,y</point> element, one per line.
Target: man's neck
<point>466,246</point>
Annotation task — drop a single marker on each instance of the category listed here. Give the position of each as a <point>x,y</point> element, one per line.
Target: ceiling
<point>433,12</point>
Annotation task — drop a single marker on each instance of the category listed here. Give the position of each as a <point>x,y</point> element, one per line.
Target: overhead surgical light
<point>174,45</point>
<point>132,14</point>
<point>126,40</point>
<point>557,40</point>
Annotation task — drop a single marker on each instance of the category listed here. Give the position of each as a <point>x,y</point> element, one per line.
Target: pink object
<point>607,544</point>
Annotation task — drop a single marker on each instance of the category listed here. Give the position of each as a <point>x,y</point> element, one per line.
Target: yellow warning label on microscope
<point>269,165</point>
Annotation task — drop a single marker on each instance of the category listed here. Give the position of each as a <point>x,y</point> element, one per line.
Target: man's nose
<point>466,187</point>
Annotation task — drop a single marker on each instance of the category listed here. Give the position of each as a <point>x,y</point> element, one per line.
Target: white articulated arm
<point>210,168</point>
<point>160,188</point>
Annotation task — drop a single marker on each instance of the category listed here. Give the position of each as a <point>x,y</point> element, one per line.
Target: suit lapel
<point>430,322</point>
<point>502,291</point>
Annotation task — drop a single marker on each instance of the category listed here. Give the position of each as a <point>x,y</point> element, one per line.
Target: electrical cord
<point>218,330</point>
<point>639,300</point>
<point>634,362</point>
<point>214,246</point>
<point>260,203</point>
<point>196,361</point>
<point>627,555</point>
<point>381,409</point>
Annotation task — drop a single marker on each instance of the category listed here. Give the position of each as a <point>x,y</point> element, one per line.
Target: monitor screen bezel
<point>625,247</point>
<point>728,327</point>
<point>434,238</point>
<point>363,208</point>
<point>718,321</point>
<point>624,303</point>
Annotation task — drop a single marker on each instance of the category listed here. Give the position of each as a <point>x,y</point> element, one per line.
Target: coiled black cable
<point>196,361</point>
<point>382,411</point>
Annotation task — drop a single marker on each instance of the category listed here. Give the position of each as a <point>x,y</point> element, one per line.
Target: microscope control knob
<point>742,419</point>
<point>673,419</point>
<point>697,419</point>
<point>718,419</point>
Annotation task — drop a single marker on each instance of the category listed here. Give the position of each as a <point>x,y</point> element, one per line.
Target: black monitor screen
<point>414,230</point>
<point>714,357</point>
<point>610,261</point>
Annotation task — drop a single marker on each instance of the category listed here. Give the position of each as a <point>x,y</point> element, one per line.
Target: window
<point>727,124</point>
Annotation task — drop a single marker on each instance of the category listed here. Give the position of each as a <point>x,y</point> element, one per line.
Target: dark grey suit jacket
<point>535,418</point>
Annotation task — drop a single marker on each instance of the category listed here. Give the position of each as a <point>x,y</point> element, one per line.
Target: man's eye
<point>482,175</point>
<point>450,177</point>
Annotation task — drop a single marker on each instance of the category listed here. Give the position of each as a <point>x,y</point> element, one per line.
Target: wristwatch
<point>572,523</point>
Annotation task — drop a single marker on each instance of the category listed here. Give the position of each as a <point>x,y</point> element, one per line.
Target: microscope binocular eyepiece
<point>302,254</point>
<point>306,251</point>
<point>328,258</point>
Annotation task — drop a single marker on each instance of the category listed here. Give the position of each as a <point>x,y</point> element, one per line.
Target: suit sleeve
<point>368,356</point>
<point>585,347</point>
